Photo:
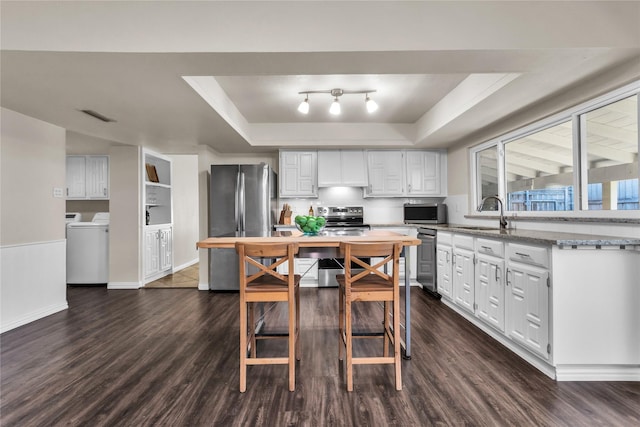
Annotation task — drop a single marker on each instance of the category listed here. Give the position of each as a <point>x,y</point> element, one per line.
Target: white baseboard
<point>203,286</point>
<point>124,285</point>
<point>598,373</point>
<point>33,316</point>
<point>185,265</point>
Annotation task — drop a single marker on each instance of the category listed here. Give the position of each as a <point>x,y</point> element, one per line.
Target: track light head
<point>335,107</point>
<point>304,106</point>
<point>372,106</point>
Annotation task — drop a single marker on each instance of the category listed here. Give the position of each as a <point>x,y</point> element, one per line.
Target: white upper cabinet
<point>87,177</point>
<point>298,176</point>
<point>346,168</point>
<point>423,173</point>
<point>386,173</point>
<point>406,173</point>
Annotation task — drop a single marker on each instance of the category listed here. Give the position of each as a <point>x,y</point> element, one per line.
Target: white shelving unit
<point>157,200</point>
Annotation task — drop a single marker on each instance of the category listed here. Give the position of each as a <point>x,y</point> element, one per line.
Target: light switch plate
<point>58,192</point>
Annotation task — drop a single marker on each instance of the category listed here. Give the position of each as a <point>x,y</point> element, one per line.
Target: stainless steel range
<point>341,221</point>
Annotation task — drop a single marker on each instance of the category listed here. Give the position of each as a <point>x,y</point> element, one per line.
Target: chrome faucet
<point>503,220</point>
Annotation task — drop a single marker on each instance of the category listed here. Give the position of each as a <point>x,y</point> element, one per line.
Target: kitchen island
<point>325,245</point>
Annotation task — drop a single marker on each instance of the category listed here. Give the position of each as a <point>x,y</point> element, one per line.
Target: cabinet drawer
<point>444,238</point>
<point>463,241</point>
<point>490,247</point>
<point>534,255</point>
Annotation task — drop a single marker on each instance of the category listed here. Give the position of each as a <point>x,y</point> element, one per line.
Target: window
<point>611,137</point>
<point>539,170</point>
<point>582,159</point>
<point>487,171</point>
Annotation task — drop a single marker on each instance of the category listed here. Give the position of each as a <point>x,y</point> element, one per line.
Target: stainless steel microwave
<point>425,213</point>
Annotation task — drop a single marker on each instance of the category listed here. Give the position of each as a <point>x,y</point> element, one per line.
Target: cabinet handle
<point>497,268</point>
<point>487,248</point>
<point>104,191</point>
<point>508,280</point>
<point>523,255</point>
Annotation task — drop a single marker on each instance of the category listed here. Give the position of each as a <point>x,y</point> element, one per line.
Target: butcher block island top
<point>324,239</point>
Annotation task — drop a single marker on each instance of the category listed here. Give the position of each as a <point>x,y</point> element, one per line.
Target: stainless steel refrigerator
<point>242,201</point>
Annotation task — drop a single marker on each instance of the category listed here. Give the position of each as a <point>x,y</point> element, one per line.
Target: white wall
<point>125,218</point>
<point>185,210</point>
<point>32,226</point>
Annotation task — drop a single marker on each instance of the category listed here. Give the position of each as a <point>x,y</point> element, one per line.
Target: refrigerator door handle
<point>237,202</point>
<point>242,203</point>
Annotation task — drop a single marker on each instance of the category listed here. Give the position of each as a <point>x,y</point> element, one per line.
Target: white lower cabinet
<point>503,285</point>
<point>158,252</point>
<point>463,272</point>
<point>444,265</point>
<point>306,267</point>
<point>527,298</point>
<point>489,291</point>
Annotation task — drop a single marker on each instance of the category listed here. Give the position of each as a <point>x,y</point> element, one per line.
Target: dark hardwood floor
<point>169,357</point>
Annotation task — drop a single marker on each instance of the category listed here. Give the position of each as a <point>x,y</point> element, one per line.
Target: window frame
<point>575,115</point>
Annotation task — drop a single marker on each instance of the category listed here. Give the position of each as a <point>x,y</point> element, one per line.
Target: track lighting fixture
<point>335,108</point>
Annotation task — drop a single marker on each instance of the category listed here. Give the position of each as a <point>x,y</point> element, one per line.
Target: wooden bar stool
<point>370,284</point>
<point>267,285</point>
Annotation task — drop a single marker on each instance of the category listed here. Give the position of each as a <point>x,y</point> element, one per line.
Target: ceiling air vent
<point>98,116</point>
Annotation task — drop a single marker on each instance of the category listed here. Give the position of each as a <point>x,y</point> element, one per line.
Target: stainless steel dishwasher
<point>426,274</point>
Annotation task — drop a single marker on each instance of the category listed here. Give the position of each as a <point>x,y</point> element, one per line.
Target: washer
<point>88,251</point>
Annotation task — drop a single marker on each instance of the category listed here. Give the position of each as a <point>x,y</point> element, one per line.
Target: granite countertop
<point>526,236</point>
<point>535,236</point>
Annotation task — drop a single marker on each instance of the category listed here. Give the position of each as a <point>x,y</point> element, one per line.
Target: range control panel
<point>340,211</point>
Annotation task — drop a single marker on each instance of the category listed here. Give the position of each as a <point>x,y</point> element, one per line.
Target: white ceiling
<point>178,74</point>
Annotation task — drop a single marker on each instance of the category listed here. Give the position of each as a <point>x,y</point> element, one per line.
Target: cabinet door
<point>75,166</point>
<point>423,173</point>
<point>307,268</point>
<point>489,292</point>
<point>443,269</point>
<point>298,174</point>
<point>97,177</point>
<point>463,278</point>
<point>354,168</point>
<point>166,249</point>
<point>151,252</point>
<point>527,304</point>
<point>386,174</point>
